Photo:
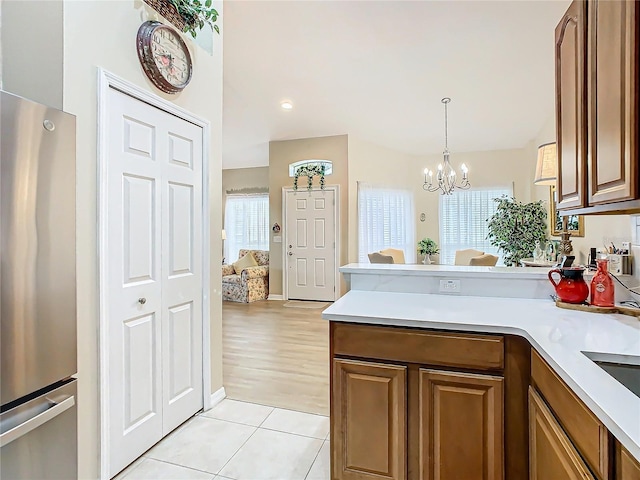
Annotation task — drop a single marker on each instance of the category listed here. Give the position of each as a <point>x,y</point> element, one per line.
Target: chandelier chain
<point>446,101</point>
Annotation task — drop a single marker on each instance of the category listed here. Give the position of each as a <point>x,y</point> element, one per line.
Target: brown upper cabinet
<point>570,96</point>
<point>597,107</point>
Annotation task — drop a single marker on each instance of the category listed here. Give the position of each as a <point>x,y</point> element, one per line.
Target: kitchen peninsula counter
<point>559,336</point>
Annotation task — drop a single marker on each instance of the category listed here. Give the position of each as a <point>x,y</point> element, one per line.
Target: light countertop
<point>560,336</point>
<point>445,270</point>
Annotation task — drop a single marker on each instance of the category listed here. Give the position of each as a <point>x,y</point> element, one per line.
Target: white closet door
<point>181,273</point>
<point>155,275</point>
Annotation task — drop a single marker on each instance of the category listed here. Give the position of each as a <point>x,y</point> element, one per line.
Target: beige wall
<point>384,167</point>
<point>32,50</point>
<point>281,154</point>
<point>87,46</point>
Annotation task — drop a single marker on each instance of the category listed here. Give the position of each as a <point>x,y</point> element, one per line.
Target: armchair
<point>251,284</point>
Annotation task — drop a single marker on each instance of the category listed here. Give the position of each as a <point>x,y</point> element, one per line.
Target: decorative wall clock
<point>164,56</point>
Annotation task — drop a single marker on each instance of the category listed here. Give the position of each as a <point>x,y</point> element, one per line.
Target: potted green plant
<point>515,228</point>
<point>197,14</point>
<point>427,247</point>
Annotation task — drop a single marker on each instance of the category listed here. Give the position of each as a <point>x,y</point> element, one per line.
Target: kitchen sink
<point>624,368</point>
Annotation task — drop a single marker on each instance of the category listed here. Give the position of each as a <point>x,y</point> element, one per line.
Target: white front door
<point>310,248</point>
<point>154,290</point>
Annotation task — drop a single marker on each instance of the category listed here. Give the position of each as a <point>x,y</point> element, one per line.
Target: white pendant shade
<point>547,166</point>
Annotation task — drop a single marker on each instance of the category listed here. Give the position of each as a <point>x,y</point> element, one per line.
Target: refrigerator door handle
<point>34,422</point>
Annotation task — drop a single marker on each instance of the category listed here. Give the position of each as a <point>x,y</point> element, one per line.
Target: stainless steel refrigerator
<point>38,421</point>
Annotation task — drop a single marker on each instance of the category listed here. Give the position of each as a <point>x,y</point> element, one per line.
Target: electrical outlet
<point>449,286</point>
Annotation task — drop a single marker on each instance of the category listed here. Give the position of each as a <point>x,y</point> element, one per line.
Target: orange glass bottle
<point>602,288</point>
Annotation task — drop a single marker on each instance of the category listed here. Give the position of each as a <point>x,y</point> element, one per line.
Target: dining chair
<point>398,255</point>
<point>464,256</point>
<point>379,258</point>
<point>486,260</point>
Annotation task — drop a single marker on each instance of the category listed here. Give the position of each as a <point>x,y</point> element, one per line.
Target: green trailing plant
<point>426,246</point>
<point>309,171</point>
<point>196,15</point>
<point>515,228</point>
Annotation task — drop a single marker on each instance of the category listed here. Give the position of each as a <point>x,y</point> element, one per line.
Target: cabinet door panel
<point>369,421</point>
<point>627,467</point>
<point>612,108</point>
<point>461,426</point>
<point>551,454</point>
<point>570,120</point>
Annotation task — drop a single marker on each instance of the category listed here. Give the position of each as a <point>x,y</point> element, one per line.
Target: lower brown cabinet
<point>369,420</point>
<point>461,426</point>
<point>627,467</point>
<point>551,453</point>
<point>459,417</point>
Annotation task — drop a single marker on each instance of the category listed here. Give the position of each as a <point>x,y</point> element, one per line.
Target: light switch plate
<point>277,239</point>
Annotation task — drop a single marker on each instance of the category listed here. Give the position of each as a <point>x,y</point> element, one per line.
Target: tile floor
<point>240,441</point>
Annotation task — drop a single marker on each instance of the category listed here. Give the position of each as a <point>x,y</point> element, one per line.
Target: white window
<point>246,224</point>
<point>463,221</point>
<point>385,220</point>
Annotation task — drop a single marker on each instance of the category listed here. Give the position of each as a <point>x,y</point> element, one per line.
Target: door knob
<point>290,253</point>
<point>290,246</point>
<point>142,301</point>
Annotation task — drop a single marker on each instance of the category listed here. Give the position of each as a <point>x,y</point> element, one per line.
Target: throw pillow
<point>247,261</point>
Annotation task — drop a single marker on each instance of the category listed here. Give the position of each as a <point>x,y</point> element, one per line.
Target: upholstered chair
<point>463,257</point>
<point>379,258</point>
<point>250,284</point>
<point>485,260</point>
<point>398,255</point>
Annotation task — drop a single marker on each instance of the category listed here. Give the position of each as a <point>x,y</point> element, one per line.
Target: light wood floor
<point>275,355</point>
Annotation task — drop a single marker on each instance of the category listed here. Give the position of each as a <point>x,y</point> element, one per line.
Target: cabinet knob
<point>142,300</point>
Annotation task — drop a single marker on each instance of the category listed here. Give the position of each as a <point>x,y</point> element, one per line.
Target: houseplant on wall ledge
<point>515,228</point>
<point>187,15</point>
<point>427,247</point>
<point>309,171</point>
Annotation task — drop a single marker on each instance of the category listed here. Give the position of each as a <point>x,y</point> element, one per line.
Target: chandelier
<point>446,175</point>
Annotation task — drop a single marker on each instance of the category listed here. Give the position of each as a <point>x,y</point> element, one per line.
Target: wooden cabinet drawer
<point>627,467</point>
<point>587,432</point>
<point>480,352</point>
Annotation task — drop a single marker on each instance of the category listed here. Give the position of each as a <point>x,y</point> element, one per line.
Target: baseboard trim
<point>217,397</point>
<point>274,297</point>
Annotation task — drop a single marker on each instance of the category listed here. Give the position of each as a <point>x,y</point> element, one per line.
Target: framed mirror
<point>575,223</point>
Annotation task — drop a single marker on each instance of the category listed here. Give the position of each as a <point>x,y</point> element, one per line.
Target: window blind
<point>463,221</point>
<point>385,220</point>
<point>246,223</point>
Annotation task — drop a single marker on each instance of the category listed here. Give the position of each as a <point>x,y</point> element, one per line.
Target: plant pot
<point>427,260</point>
<point>170,12</point>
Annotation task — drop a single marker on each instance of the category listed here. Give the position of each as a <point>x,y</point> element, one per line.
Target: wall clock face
<point>164,56</point>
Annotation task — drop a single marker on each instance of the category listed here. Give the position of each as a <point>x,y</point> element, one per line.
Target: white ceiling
<point>377,71</point>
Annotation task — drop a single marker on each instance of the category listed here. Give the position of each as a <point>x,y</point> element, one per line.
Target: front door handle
<point>290,253</point>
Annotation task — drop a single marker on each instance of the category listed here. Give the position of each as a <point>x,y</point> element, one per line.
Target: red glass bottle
<point>602,288</point>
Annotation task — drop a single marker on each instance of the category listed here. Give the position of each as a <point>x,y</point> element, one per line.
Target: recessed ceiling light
<point>286,105</point>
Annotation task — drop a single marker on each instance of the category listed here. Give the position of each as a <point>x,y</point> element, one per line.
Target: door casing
<point>285,257</point>
<point>107,80</point>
